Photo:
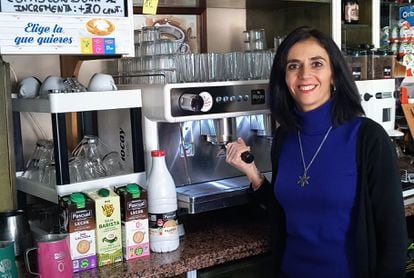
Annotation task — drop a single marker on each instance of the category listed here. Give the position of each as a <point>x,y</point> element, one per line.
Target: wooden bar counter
<point>210,239</point>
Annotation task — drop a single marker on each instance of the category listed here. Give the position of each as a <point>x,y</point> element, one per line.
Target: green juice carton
<point>134,217</point>
<point>108,226</point>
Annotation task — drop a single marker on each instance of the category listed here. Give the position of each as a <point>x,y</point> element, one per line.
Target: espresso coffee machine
<point>378,101</point>
<point>193,122</point>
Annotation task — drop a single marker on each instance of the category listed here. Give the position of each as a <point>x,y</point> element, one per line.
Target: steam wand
<point>187,173</point>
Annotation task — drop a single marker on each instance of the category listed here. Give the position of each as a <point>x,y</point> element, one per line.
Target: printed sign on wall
<point>66,7</point>
<point>98,27</point>
<point>407,13</point>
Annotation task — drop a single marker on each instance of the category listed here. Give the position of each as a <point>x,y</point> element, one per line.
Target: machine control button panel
<point>218,99</point>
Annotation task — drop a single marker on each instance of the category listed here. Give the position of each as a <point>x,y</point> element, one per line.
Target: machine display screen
<point>258,96</point>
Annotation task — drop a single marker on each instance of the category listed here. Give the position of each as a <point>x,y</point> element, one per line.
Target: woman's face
<point>308,74</point>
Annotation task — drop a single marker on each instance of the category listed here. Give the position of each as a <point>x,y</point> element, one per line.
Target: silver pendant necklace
<point>304,179</point>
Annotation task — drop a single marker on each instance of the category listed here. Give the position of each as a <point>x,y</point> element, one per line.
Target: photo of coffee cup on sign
<point>181,29</point>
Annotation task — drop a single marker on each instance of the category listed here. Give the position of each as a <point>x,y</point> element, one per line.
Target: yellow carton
<point>108,226</point>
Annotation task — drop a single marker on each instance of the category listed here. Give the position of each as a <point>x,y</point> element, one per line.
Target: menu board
<point>89,27</point>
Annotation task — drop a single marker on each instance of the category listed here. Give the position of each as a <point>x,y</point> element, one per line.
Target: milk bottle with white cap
<point>162,206</point>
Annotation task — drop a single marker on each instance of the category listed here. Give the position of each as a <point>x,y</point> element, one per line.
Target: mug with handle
<point>101,82</point>
<point>28,87</point>
<point>52,84</point>
<point>53,256</point>
<point>7,260</point>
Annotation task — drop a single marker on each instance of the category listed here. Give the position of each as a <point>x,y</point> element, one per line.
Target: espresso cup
<point>28,87</point>
<point>53,256</point>
<point>100,82</point>
<point>52,84</point>
<point>7,260</point>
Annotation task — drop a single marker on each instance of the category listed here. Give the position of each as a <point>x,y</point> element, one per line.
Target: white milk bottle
<point>162,206</point>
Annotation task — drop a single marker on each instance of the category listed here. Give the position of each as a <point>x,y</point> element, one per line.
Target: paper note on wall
<point>150,7</point>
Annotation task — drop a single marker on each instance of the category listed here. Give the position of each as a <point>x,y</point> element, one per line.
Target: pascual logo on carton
<point>82,214</point>
<point>136,204</point>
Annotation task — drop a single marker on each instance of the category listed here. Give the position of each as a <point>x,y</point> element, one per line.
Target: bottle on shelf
<point>351,11</point>
<point>403,95</point>
<point>162,206</point>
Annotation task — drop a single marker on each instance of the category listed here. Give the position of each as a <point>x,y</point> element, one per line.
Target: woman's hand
<point>234,151</point>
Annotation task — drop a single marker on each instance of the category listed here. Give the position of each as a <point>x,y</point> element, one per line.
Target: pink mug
<point>53,256</point>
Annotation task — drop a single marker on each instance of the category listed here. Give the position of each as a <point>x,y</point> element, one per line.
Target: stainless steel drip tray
<point>212,195</point>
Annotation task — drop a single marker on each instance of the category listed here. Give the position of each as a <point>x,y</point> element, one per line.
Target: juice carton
<point>77,218</point>
<point>108,226</point>
<point>134,216</point>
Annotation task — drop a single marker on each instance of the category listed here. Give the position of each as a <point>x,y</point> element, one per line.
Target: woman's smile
<point>306,88</point>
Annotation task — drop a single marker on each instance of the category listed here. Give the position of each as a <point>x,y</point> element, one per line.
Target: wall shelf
<point>51,194</point>
<point>79,102</point>
<point>59,104</point>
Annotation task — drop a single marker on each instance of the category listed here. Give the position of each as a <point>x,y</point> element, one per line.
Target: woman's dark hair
<point>346,99</point>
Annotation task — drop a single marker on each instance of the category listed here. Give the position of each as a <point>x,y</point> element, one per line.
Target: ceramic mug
<point>100,82</point>
<point>53,256</point>
<point>52,84</point>
<point>174,34</point>
<point>7,260</point>
<point>28,87</point>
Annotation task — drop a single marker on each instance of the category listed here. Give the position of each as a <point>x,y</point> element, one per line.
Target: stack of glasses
<point>160,61</point>
<point>91,159</point>
<point>197,67</point>
<point>209,67</point>
<point>154,61</point>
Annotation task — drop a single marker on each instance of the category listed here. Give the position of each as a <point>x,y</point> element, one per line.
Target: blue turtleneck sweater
<point>318,215</point>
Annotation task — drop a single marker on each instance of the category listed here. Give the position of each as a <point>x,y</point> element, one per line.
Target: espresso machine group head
<point>193,122</point>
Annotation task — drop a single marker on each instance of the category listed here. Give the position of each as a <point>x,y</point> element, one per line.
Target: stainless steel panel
<point>212,195</point>
<point>205,161</point>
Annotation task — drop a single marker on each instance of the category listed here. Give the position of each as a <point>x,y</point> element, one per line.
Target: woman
<point>335,194</point>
